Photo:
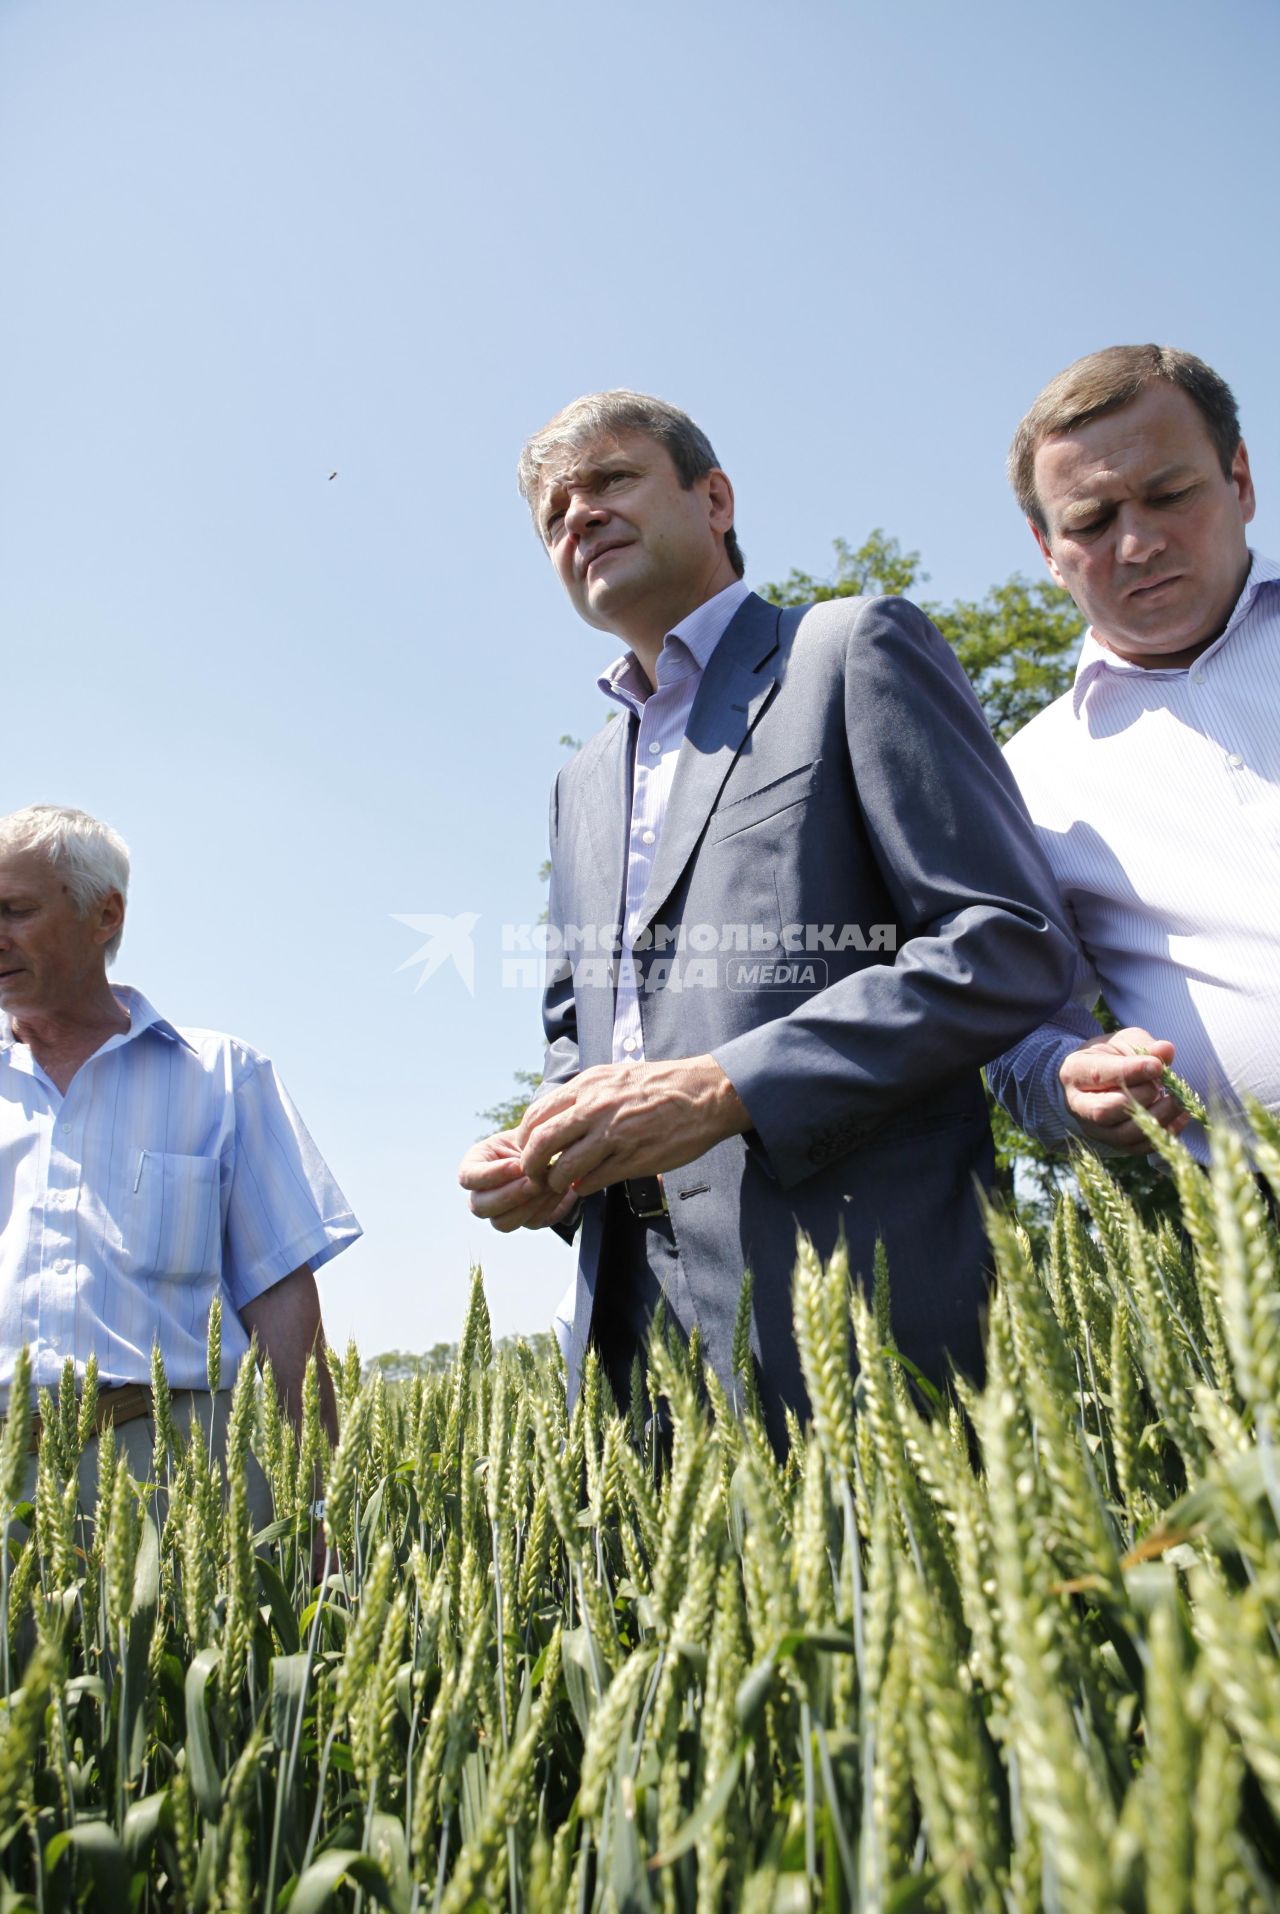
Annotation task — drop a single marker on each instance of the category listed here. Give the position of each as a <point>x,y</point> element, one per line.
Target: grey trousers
<point>639,1268</point>
<point>135,1441</point>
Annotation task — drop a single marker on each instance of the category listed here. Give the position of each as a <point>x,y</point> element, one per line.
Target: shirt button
<point>648,837</point>
<point>654,749</point>
<point>628,1044</point>
<point>62,1267</point>
<point>1235,761</point>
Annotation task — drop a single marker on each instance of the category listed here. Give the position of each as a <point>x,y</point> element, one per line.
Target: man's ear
<point>1242,479</point>
<point>1046,554</point>
<point>720,498</point>
<point>108,916</point>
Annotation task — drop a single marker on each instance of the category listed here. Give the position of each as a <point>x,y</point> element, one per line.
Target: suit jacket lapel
<point>734,691</point>
<point>606,799</point>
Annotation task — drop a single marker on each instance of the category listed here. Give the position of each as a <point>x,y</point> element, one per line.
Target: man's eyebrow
<point>590,472</point>
<point>1078,508</point>
<point>588,469</point>
<point>1085,505</point>
<point>1167,473</point>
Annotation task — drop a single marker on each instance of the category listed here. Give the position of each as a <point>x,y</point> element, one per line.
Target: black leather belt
<point>645,1196</point>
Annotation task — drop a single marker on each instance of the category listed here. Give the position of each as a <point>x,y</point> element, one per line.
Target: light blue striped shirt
<point>664,717</point>
<point>1156,796</point>
<point>174,1168</point>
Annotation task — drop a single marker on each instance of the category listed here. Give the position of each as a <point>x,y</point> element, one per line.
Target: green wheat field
<point>1015,1649</point>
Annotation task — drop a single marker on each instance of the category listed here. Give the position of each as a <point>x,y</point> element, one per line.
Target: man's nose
<point>1140,537</point>
<point>581,511</point>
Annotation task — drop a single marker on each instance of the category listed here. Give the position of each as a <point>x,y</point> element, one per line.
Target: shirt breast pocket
<point>180,1216</point>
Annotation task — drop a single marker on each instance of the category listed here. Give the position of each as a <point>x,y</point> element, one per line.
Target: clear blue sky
<point>247,243</point>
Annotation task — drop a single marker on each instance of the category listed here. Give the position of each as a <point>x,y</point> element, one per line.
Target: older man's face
<point>1145,529</point>
<point>49,955</point>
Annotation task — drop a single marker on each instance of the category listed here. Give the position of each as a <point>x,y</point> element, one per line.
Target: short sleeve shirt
<point>175,1168</point>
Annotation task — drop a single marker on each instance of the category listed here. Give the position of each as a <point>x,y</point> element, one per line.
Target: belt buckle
<point>646,1197</point>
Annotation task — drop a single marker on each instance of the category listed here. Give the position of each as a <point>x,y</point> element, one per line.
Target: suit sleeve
<point>984,952</point>
<point>1025,1077</point>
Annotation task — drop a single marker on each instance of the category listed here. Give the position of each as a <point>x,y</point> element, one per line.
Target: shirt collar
<point>1096,657</point>
<point>687,648</point>
<point>142,1016</point>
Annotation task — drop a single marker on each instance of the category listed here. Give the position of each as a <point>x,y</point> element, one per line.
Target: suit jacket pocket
<point>766,801</point>
<point>180,1214</point>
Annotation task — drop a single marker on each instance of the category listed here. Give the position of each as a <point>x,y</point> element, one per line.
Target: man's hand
<point>1103,1081</point>
<point>627,1119</point>
<point>502,1192</point>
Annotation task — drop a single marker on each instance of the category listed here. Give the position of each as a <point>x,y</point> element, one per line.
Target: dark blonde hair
<point>1103,382</point>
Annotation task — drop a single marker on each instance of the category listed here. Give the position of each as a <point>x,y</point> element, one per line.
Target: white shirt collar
<point>142,1016</point>
<point>1095,657</point>
<point>694,638</point>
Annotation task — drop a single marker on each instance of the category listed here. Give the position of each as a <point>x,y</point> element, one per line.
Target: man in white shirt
<point>1154,782</point>
<point>144,1170</point>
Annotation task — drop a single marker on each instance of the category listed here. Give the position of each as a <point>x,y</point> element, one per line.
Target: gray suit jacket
<point>837,774</point>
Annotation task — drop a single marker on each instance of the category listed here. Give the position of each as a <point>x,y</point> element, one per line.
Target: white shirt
<point>663,716</point>
<point>1156,796</point>
<point>175,1168</point>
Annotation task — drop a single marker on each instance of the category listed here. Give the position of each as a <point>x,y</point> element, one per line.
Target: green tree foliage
<point>878,569</point>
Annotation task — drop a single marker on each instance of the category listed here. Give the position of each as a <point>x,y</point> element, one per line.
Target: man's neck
<point>64,1035</point>
<point>646,632</point>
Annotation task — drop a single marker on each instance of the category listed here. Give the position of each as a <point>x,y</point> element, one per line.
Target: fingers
<point>500,1193</point>
<point>1134,1040</point>
<point>564,1207</point>
<point>1096,1069</point>
<point>551,1140</point>
<point>490,1161</point>
<point>1108,1119</point>
<point>544,1107</point>
<point>488,1175</point>
<point>516,1193</point>
<point>1112,1108</point>
<point>522,1205</point>
<point>610,1168</point>
<point>586,1166</point>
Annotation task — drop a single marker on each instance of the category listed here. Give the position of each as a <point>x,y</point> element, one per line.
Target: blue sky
<point>246,245</point>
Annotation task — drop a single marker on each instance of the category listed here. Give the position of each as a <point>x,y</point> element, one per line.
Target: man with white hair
<point>144,1169</point>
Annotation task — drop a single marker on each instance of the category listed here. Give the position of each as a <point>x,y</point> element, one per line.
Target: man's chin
<point>604,607</point>
<point>1165,645</point>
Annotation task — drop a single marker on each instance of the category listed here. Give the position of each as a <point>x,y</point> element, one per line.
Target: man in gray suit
<point>795,903</point>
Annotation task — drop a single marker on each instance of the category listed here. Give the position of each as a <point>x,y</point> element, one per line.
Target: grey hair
<point>606,414</point>
<point>89,857</point>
